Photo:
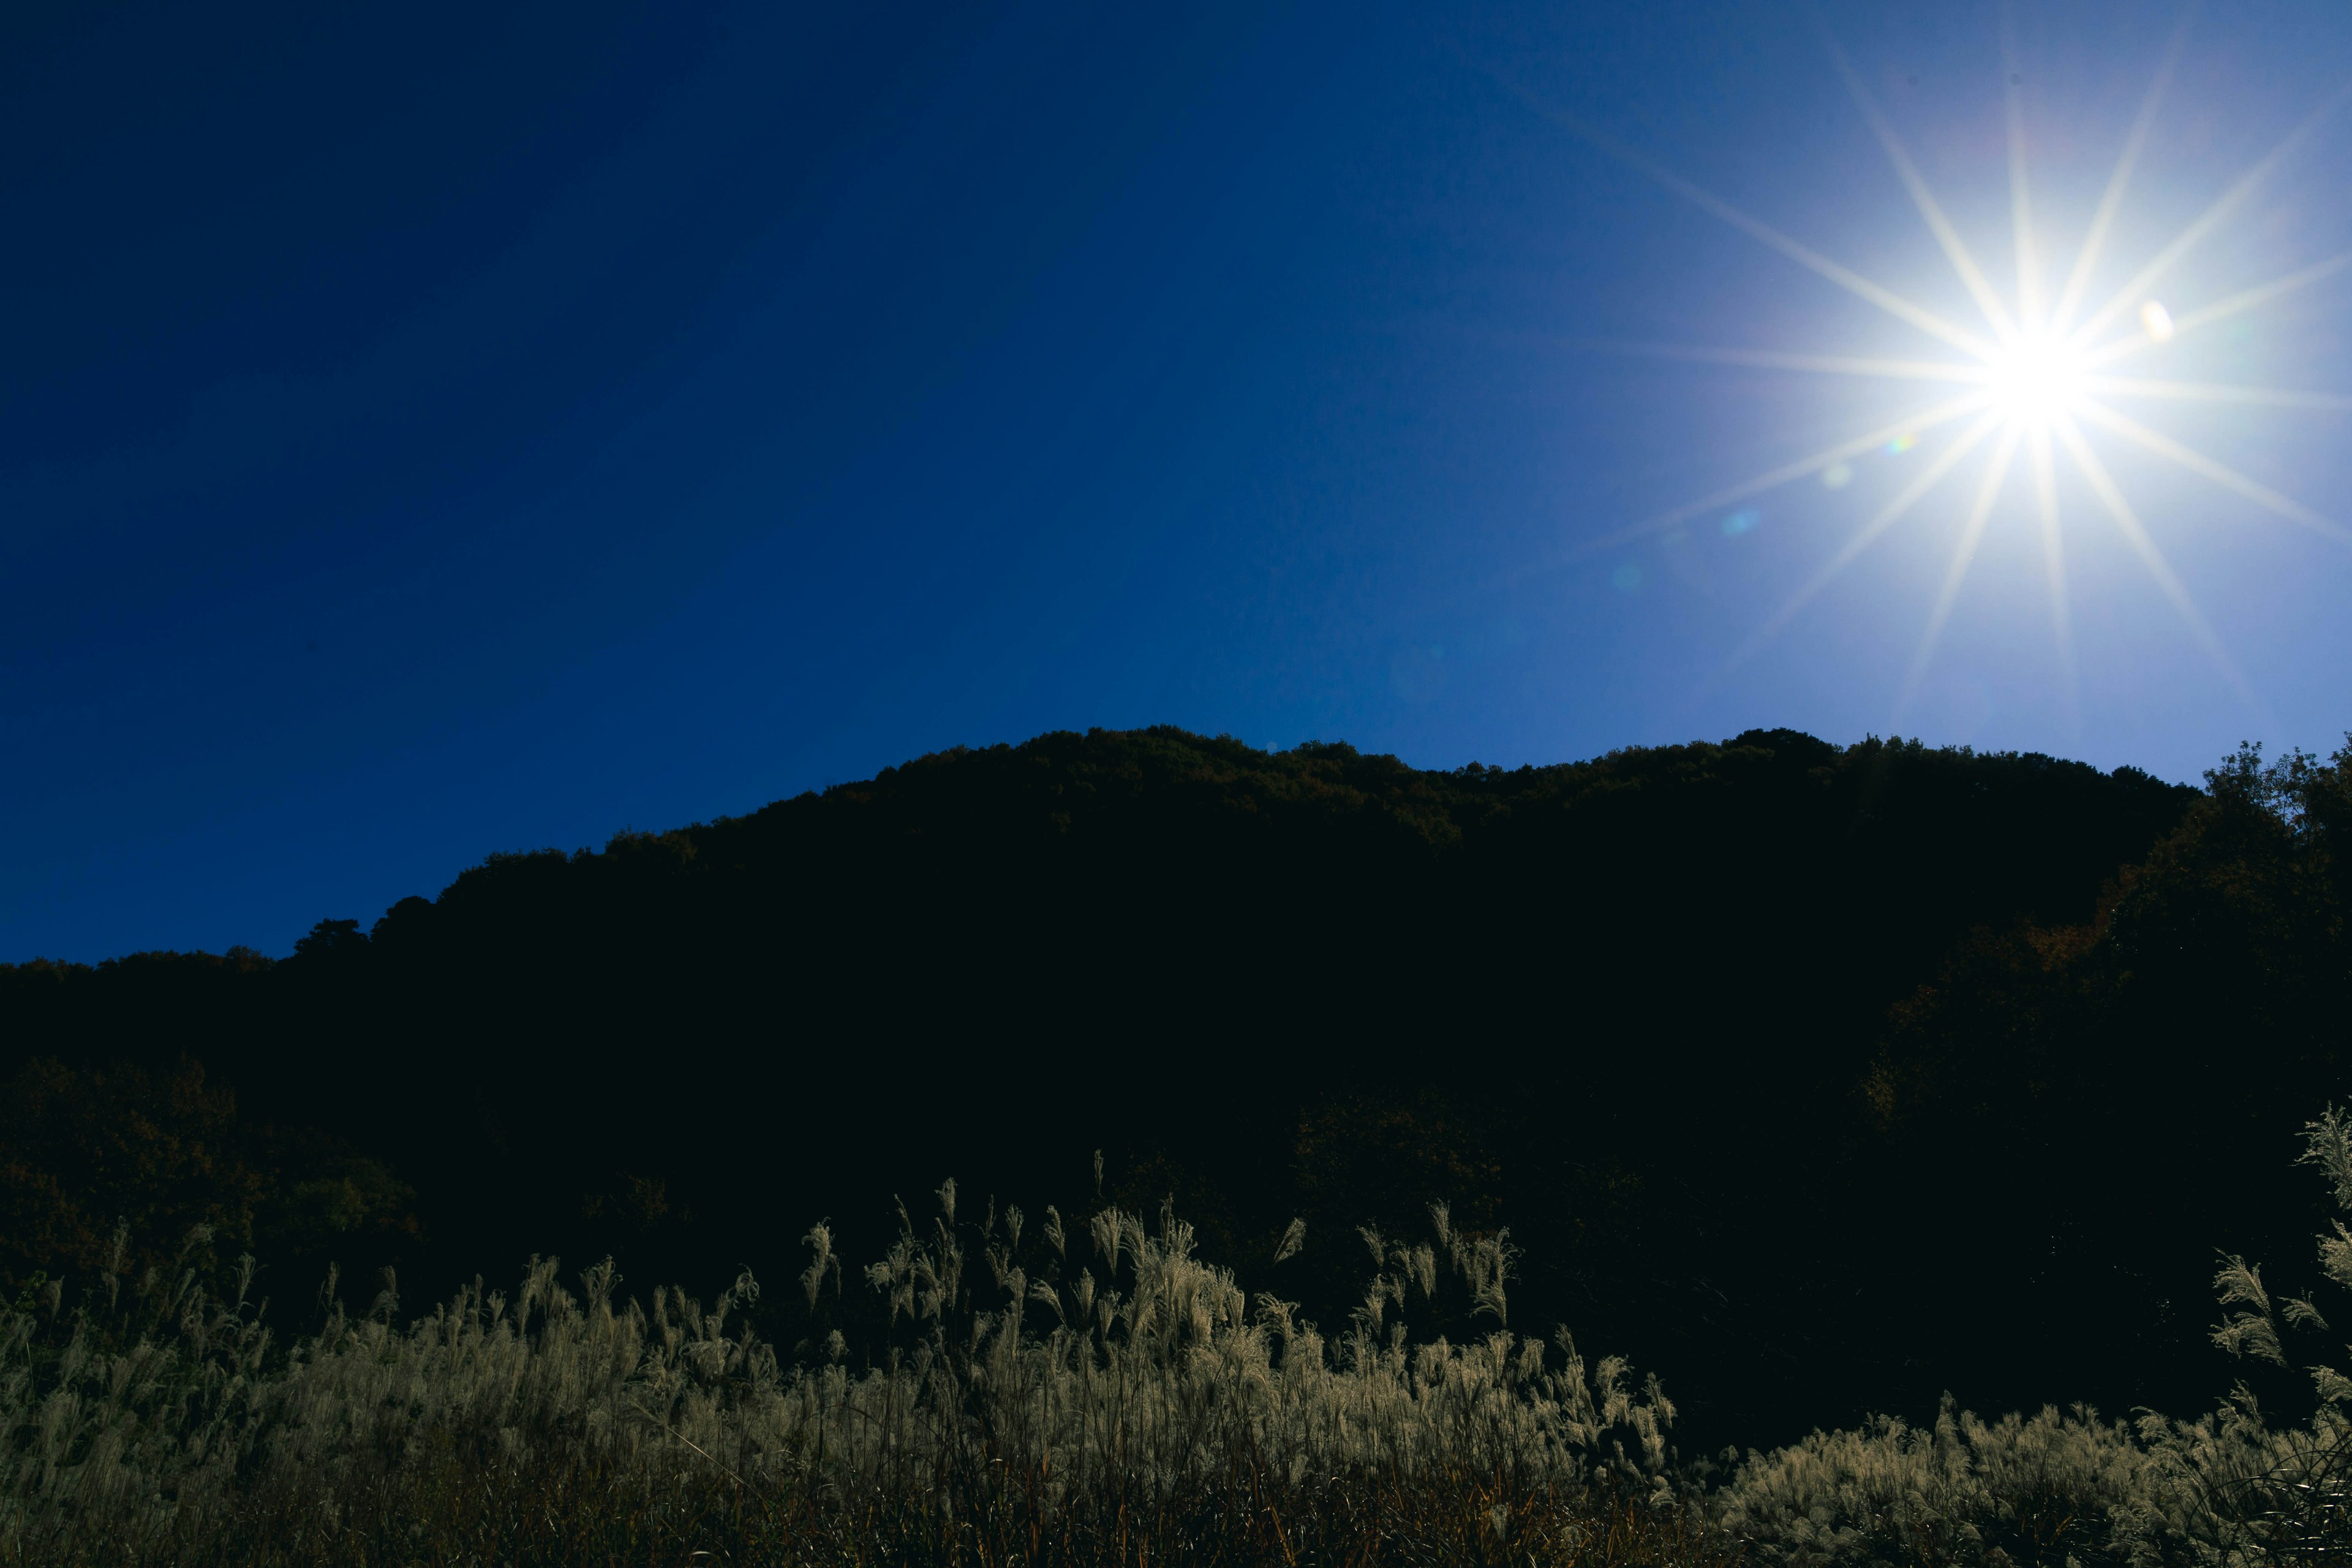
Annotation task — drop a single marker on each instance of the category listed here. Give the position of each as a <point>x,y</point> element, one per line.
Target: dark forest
<point>1821,1079</point>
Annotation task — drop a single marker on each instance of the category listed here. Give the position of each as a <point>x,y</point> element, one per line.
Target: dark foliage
<point>2116,1096</point>
<point>89,1148</point>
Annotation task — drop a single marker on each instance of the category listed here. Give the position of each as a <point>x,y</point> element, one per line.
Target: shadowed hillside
<point>1815,1077</point>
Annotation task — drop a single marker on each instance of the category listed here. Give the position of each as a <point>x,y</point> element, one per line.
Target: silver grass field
<point>1128,1405</point>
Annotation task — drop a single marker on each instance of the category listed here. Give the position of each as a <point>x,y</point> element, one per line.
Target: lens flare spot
<point>1837,476</point>
<point>1744,521</point>
<point>2157,321</point>
<point>1901,444</point>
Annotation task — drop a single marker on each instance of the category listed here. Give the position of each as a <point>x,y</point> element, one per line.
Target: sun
<point>2031,378</point>
<point>2038,381</point>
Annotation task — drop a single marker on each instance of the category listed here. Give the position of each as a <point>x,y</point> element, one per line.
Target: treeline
<point>1822,1079</point>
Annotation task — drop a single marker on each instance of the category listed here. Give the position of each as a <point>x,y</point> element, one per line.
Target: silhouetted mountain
<point>1817,1077</point>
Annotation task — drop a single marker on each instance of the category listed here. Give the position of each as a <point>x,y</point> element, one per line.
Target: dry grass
<point>1031,1406</point>
<point>1136,1409</point>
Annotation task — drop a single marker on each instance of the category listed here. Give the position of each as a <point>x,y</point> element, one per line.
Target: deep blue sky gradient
<point>431,431</point>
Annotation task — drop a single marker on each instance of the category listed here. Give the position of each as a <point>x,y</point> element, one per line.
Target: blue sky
<point>426,432</point>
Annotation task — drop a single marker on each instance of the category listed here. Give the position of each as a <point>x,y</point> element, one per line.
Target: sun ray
<point>1972,276</point>
<point>1882,519</point>
<point>1706,201</point>
<point>2262,294</point>
<point>2228,479</point>
<point>2131,294</point>
<point>2054,567</point>
<point>2245,300</point>
<point>1828,364</point>
<point>2020,205</point>
<point>2215,392</point>
<point>2128,521</point>
<point>1963,553</point>
<point>1924,420</point>
<point>2070,298</point>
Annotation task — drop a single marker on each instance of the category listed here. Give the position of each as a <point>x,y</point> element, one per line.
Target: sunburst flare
<point>2032,376</point>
